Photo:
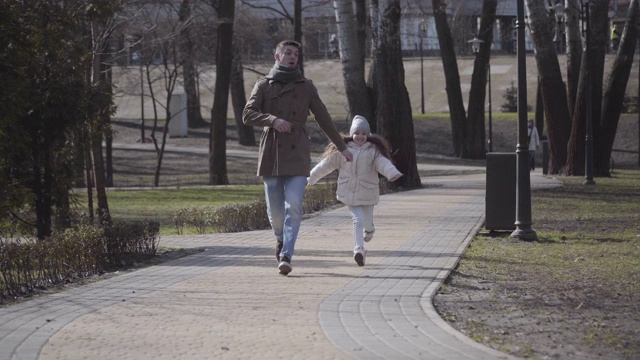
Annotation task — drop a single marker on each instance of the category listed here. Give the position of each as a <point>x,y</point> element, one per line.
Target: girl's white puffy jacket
<point>358,179</point>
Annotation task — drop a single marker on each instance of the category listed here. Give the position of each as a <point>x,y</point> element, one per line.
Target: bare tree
<point>99,75</point>
<point>614,93</point>
<point>599,28</point>
<point>474,141</point>
<point>554,95</point>
<point>162,66</point>
<point>353,70</point>
<point>295,18</point>
<point>361,28</point>
<point>189,73</point>
<point>452,76</point>
<point>224,60</point>
<point>598,33</point>
<point>574,51</point>
<point>393,107</point>
<point>246,134</point>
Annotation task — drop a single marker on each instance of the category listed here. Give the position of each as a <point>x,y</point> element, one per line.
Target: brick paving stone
<point>228,301</point>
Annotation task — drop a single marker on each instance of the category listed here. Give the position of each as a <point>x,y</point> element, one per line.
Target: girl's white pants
<point>362,216</point>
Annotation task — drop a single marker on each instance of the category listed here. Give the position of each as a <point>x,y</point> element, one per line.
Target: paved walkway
<point>228,302</point>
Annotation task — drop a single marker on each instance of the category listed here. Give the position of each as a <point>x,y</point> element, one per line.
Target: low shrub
<point>240,217</point>
<point>27,265</point>
<point>247,216</point>
<point>127,243</point>
<point>193,217</point>
<point>319,196</point>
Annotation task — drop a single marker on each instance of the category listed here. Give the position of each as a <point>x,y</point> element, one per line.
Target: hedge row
<point>82,251</point>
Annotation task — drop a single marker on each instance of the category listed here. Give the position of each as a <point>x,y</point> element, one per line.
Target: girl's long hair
<point>381,144</point>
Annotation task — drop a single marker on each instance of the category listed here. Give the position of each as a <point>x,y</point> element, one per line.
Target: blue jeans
<point>532,159</point>
<point>284,196</point>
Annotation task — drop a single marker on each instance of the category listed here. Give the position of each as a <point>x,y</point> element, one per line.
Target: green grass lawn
<point>160,204</point>
<point>582,272</point>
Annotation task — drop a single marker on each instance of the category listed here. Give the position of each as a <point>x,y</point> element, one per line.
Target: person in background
<point>335,46</point>
<point>358,185</point>
<point>615,38</point>
<point>534,143</point>
<point>280,103</point>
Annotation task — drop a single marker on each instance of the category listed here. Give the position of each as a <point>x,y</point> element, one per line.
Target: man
<point>280,103</point>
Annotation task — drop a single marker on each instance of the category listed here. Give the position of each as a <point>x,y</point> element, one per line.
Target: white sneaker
<point>359,256</point>
<point>368,235</point>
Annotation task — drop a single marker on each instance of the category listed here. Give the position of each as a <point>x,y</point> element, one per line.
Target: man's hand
<point>281,125</point>
<point>347,155</point>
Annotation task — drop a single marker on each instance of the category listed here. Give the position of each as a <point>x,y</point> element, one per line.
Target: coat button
<point>293,147</point>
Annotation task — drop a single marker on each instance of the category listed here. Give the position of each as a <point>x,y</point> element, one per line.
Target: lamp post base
<point>524,233</point>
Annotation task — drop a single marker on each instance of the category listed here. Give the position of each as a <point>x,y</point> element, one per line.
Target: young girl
<point>358,179</point>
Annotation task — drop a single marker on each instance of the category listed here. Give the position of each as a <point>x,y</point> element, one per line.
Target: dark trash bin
<point>500,194</point>
<point>545,157</point>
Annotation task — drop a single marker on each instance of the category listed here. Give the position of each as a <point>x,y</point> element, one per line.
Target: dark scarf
<point>283,73</point>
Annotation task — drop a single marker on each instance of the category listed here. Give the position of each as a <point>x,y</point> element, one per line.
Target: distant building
<point>417,24</point>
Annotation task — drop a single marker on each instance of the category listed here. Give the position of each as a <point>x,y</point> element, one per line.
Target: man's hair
<point>283,43</point>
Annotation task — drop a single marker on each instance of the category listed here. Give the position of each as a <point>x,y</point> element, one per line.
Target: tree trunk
<point>104,217</point>
<point>246,135</point>
<point>108,142</point>
<point>574,52</point>
<point>554,95</point>
<point>361,29</point>
<point>88,169</point>
<point>575,147</point>
<point>352,65</point>
<point>224,54</point>
<point>106,69</point>
<point>600,45</point>
<point>297,31</point>
<point>393,109</point>
<point>539,113</point>
<point>98,78</point>
<point>575,164</point>
<point>615,90</point>
<point>194,115</point>
<point>165,131</point>
<point>42,182</point>
<point>452,77</point>
<point>474,142</point>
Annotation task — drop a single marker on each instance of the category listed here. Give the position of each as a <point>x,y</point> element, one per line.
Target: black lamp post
<point>490,120</point>
<point>588,156</point>
<point>523,229</point>
<point>142,136</point>
<point>421,30</point>
<point>475,46</point>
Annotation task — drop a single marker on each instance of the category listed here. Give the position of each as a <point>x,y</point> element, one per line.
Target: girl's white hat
<point>359,123</point>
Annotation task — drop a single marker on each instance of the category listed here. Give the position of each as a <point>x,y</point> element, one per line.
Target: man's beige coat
<point>287,154</point>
